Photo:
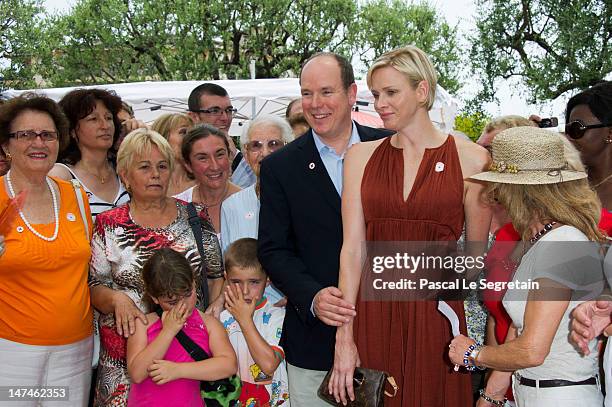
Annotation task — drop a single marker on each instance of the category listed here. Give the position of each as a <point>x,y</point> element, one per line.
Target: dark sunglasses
<point>576,129</point>
<point>256,146</point>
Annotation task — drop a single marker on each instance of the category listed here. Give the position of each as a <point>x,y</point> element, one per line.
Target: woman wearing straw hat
<point>547,203</point>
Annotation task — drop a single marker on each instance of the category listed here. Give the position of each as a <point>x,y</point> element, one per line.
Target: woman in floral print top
<point>124,238</point>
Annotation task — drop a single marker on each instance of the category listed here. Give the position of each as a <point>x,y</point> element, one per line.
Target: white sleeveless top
<point>97,204</point>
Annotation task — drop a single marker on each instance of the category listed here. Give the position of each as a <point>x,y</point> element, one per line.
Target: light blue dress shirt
<point>240,218</point>
<point>243,176</point>
<point>332,161</point>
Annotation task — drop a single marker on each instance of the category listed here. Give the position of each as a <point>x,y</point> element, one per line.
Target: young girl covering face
<point>162,372</point>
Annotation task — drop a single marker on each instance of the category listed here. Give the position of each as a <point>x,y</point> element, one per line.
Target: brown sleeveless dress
<point>410,339</point>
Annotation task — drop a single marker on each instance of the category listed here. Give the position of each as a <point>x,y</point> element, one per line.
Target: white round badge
<point>70,216</point>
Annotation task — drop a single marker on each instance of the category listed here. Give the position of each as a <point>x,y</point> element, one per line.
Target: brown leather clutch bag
<point>369,386</point>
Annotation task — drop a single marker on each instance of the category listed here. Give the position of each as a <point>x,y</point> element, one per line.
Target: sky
<point>460,13</point>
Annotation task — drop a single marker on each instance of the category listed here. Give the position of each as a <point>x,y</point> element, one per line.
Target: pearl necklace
<point>55,209</point>
<point>537,236</point>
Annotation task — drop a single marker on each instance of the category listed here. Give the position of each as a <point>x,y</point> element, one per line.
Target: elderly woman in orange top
<point>45,313</point>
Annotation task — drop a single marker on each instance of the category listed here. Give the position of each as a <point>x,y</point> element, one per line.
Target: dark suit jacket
<point>300,237</point>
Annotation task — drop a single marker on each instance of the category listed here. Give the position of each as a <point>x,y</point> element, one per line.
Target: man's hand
<point>331,308</point>
<point>589,320</point>
<point>237,306</point>
<point>163,371</point>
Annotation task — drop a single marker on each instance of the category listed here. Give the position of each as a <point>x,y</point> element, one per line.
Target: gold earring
<point>8,155</point>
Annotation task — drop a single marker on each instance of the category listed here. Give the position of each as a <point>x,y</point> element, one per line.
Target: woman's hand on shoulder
<point>126,313</point>
<point>61,172</point>
<point>216,307</point>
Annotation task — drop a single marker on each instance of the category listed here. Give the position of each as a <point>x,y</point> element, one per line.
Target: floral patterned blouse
<point>120,247</point>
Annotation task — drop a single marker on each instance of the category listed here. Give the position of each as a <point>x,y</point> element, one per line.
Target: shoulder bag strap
<point>196,227</point>
<point>193,349</point>
<point>79,196</point>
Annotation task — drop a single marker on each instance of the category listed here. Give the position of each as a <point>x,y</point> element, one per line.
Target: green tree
<point>387,24</point>
<point>471,123</point>
<point>553,46</point>
<point>133,40</point>
<point>23,42</point>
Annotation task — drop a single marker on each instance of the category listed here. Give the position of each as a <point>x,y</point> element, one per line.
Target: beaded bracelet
<point>488,399</point>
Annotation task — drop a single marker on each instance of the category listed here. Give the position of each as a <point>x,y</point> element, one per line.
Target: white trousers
<point>567,396</point>
<point>62,365</point>
<point>303,386</point>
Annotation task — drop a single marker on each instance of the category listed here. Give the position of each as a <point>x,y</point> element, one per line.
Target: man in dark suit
<point>300,224</point>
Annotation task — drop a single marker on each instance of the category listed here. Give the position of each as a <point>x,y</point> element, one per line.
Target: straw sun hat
<point>528,156</point>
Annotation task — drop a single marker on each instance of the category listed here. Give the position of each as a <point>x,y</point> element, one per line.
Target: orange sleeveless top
<point>44,297</point>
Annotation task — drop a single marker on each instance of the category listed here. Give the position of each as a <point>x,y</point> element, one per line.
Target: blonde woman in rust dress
<point>408,187</point>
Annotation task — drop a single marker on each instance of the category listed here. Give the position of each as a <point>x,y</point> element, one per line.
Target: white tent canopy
<point>251,98</point>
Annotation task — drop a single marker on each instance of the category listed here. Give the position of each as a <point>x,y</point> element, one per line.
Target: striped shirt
<point>97,204</point>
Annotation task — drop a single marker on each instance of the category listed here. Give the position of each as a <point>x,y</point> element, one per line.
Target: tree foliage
<point>553,46</point>
<point>101,41</point>
<point>387,24</point>
<point>22,40</point>
<point>471,123</point>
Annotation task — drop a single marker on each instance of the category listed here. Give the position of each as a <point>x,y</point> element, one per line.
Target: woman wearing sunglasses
<point>588,120</point>
<point>240,212</point>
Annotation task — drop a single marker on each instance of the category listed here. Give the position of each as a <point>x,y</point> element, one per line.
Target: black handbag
<point>215,393</point>
<point>368,385</point>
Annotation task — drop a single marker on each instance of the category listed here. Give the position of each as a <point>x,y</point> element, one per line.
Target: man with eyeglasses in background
<point>210,103</point>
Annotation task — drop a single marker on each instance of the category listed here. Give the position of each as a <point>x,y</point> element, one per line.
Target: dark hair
<point>346,69</point>
<point>290,105</point>
<point>598,98</point>
<point>298,119</point>
<point>242,253</point>
<point>193,103</point>
<point>198,132</point>
<point>38,103</point>
<point>167,273</point>
<point>79,103</point>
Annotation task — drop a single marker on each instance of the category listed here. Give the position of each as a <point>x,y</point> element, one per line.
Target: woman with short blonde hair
<point>411,186</point>
<point>125,237</point>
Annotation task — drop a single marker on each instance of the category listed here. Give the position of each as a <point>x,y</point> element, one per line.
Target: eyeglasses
<point>576,129</point>
<point>217,111</point>
<point>256,146</point>
<point>30,135</point>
